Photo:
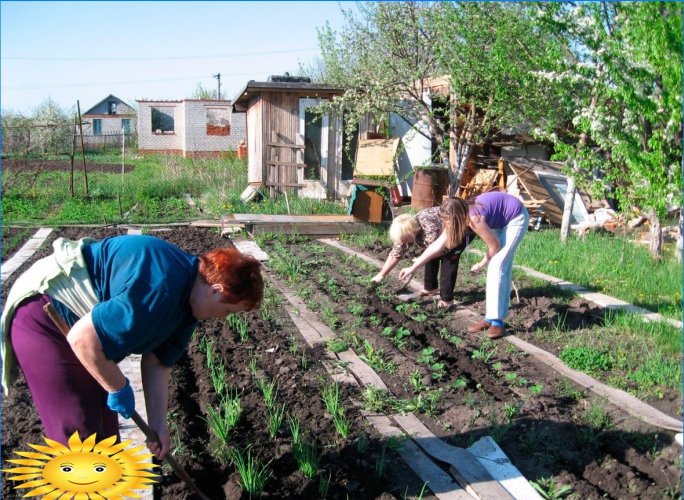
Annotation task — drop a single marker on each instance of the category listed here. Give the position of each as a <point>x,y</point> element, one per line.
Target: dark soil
<point>280,355</point>
<point>487,388</point>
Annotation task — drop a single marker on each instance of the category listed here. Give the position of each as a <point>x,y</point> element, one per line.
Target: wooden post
<point>73,155</point>
<point>567,209</point>
<point>502,173</point>
<point>80,126</point>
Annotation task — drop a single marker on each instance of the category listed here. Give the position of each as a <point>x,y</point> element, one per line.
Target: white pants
<point>500,269</point>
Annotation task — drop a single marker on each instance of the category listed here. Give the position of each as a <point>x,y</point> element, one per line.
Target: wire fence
<point>59,139</point>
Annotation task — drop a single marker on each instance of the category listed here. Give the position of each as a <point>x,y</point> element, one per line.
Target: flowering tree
<point>382,57</point>
<point>625,76</point>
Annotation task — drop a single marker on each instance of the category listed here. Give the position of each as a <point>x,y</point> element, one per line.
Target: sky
<point>84,51</point>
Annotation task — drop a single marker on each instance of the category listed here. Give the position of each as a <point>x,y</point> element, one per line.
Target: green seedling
<point>308,458</point>
<point>324,484</point>
<point>295,428</point>
<point>416,381</point>
<point>337,344</point>
<point>549,490</point>
<point>275,419</point>
<point>240,324</point>
<point>269,391</point>
<point>253,474</point>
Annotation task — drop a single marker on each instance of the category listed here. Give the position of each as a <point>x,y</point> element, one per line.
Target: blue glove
<point>122,401</point>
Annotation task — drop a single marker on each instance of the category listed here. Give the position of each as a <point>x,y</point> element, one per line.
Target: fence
<point>59,139</point>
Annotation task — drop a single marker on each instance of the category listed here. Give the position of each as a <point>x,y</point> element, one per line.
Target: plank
<point>284,145</point>
<point>467,470</point>
<point>319,229</point>
<point>285,164</point>
<point>258,218</point>
<point>24,253</point>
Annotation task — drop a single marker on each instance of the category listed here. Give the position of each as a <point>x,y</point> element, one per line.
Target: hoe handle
<point>139,421</point>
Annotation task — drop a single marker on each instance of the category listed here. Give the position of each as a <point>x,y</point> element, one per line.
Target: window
<point>218,121</point>
<point>162,120</point>
<point>97,126</point>
<point>126,125</point>
<point>112,107</point>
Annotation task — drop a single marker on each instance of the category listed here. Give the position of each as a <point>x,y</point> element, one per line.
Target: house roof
<point>110,97</point>
<point>310,89</point>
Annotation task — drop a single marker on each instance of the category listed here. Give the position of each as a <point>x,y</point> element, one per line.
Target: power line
<point>104,84</point>
<point>155,58</point>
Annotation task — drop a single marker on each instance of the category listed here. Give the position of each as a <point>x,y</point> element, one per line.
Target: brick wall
<point>190,127</point>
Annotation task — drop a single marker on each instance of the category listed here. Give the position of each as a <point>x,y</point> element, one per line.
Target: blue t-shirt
<point>143,284</point>
<point>497,208</point>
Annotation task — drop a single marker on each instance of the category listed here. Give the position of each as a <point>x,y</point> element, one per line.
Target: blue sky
<point>150,50</point>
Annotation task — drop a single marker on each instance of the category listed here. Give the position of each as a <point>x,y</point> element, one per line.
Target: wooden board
<point>317,229</point>
<point>269,218</point>
<point>376,157</point>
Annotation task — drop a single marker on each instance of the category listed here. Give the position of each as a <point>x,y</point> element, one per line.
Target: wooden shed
<point>290,146</point>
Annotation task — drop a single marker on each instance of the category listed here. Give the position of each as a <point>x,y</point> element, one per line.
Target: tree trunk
<point>656,241</point>
<point>462,153</point>
<point>680,243</point>
<point>567,209</point>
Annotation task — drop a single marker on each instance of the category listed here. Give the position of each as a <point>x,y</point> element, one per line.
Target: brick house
<point>109,117</point>
<point>189,127</point>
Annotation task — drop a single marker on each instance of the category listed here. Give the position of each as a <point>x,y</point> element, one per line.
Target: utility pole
<point>218,77</point>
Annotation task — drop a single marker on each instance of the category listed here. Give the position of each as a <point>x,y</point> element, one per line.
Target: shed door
<point>313,135</point>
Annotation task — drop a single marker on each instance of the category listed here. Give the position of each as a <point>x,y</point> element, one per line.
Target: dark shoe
<point>496,332</point>
<point>479,326</point>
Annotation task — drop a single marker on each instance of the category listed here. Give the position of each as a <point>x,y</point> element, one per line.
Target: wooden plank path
<point>474,479</point>
<point>627,402</point>
<point>24,253</point>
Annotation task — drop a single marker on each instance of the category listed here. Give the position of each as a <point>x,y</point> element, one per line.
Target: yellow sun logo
<point>84,470</point>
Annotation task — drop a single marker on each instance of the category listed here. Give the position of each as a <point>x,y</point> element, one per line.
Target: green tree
<point>201,92</point>
<point>382,57</point>
<point>628,114</point>
<point>493,53</point>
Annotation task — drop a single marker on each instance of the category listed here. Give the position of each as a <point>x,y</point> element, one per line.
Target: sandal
<point>427,293</point>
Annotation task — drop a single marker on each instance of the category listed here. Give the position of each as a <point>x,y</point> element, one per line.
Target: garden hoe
<point>139,421</point>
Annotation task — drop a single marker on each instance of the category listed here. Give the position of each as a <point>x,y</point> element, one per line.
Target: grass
<point>152,192</point>
<point>608,264</point>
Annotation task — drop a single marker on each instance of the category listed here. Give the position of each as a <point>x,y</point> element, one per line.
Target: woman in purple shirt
<point>501,220</point>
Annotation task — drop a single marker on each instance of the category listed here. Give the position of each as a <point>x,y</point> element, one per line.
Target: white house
<point>189,127</point>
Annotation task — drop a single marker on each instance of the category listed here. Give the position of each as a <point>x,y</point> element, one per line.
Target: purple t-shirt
<point>497,208</point>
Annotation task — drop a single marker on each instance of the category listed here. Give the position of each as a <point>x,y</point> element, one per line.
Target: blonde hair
<point>455,220</point>
<point>403,225</point>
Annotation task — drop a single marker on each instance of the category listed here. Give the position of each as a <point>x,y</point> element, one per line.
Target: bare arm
<point>155,380</point>
<point>435,249</point>
<point>478,224</point>
<point>390,263</point>
<point>88,349</point>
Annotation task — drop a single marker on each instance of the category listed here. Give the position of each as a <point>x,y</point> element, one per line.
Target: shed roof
<point>309,89</point>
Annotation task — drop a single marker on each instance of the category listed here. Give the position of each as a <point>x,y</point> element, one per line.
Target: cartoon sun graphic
<point>85,470</point>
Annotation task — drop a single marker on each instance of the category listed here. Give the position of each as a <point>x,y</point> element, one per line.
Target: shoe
<point>443,304</point>
<point>496,332</point>
<point>479,326</point>
<point>427,293</point>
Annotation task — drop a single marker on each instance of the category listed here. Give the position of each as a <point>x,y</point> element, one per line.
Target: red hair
<point>237,272</point>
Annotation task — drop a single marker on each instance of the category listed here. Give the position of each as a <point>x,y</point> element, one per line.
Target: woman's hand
<point>164,446</point>
<point>479,266</point>
<point>406,272</point>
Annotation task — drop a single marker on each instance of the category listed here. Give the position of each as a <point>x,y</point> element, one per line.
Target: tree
<point>201,92</point>
<point>630,113</point>
<point>382,57</point>
<point>493,53</point>
<point>51,129</point>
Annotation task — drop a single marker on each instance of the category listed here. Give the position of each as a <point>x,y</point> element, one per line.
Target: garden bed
<point>461,386</point>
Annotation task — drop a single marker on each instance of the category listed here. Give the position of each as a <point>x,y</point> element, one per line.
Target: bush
<point>586,359</point>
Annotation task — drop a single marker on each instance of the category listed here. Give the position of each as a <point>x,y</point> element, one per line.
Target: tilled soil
<point>481,388</point>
